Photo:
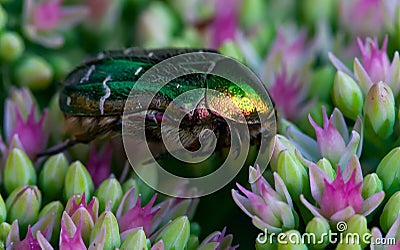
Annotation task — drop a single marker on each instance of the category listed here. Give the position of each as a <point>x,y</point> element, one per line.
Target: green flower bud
<point>318,228</point>
<point>326,166</point>
<point>293,173</point>
<point>107,221</point>
<point>345,246</point>
<point>19,170</point>
<point>109,190</point>
<point>193,242</point>
<point>189,38</point>
<point>322,83</point>
<point>135,240</point>
<point>371,185</point>
<point>78,181</point>
<point>388,171</point>
<point>281,143</point>
<point>61,67</point>
<point>34,72</point>
<point>3,18</point>
<point>209,246</point>
<point>251,12</point>
<point>82,215</point>
<point>229,48</point>
<point>4,230</point>
<point>379,109</point>
<point>23,205</point>
<point>269,244</point>
<point>347,95</point>
<point>52,176</point>
<point>128,184</point>
<point>157,24</point>
<point>159,245</point>
<point>3,210</point>
<point>81,212</point>
<point>390,212</point>
<point>56,118</point>
<point>195,228</point>
<point>315,11</point>
<point>356,228</point>
<point>317,116</point>
<point>57,209</point>
<point>11,46</point>
<point>293,240</point>
<point>176,234</point>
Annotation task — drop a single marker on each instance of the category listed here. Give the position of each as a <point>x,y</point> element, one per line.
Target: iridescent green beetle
<point>94,94</point>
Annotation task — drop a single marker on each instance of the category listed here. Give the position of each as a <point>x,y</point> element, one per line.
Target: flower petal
<point>343,215</point>
<point>394,231</point>
<point>281,189</point>
<point>260,224</point>
<point>304,143</point>
<point>339,123</point>
<point>359,128</point>
<point>372,203</point>
<point>314,210</point>
<point>350,151</point>
<point>362,77</point>
<point>339,65</point>
<point>393,76</point>
<point>317,184</point>
<point>353,165</point>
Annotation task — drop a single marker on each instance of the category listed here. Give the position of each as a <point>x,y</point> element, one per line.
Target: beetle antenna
<point>58,148</point>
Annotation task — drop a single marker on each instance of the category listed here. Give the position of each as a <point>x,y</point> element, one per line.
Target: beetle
<point>94,94</point>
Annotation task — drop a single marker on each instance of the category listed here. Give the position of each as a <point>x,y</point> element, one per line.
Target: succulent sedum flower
<point>333,140</point>
<point>224,25</point>
<point>99,163</point>
<point>340,199</point>
<point>43,21</point>
<point>22,118</point>
<point>70,236</point>
<point>139,217</point>
<point>285,73</point>
<point>81,212</point>
<point>373,67</point>
<point>362,17</point>
<point>268,208</point>
<point>218,240</point>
